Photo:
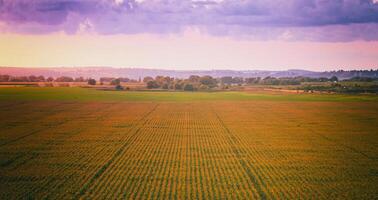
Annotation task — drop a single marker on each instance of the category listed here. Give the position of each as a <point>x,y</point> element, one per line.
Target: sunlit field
<point>75,143</point>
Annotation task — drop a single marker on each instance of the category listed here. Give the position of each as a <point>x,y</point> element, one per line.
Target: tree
<point>334,79</point>
<point>152,85</point>
<point>188,87</point>
<point>64,79</point>
<point>115,82</point>
<point>4,78</point>
<point>252,80</point>
<point>41,78</point>
<point>124,80</point>
<point>165,86</point>
<point>147,78</point>
<point>19,79</point>
<point>194,78</point>
<point>237,80</point>
<point>91,81</point>
<point>161,80</point>
<point>50,79</point>
<point>178,85</point>
<point>270,81</point>
<point>208,81</point>
<point>33,78</point>
<point>79,79</point>
<point>226,80</point>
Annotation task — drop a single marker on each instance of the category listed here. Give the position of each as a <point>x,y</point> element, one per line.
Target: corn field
<point>188,150</point>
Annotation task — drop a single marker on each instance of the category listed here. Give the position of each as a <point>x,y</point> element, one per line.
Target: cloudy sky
<point>190,34</point>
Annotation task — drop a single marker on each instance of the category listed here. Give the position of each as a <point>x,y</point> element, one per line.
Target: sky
<point>190,34</point>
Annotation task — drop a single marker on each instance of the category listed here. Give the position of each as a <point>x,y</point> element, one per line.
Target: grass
<point>72,143</point>
<point>84,94</point>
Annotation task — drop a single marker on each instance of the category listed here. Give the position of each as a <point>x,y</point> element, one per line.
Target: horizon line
<point>182,70</point>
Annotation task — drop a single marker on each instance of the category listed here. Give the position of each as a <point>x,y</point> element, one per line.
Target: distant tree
<point>64,79</point>
<point>91,81</point>
<point>270,81</point>
<point>252,80</point>
<point>152,85</point>
<point>41,78</point>
<point>124,80</point>
<point>208,81</point>
<point>115,82</point>
<point>237,80</point>
<point>147,78</point>
<point>178,85</point>
<point>194,79</point>
<point>226,80</point>
<point>79,79</point>
<point>33,78</point>
<point>165,86</point>
<point>334,79</point>
<point>50,79</point>
<point>4,78</point>
<point>171,86</point>
<point>160,79</point>
<point>188,87</point>
<point>19,79</point>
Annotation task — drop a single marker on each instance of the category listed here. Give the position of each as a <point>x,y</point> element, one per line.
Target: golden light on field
<point>189,150</point>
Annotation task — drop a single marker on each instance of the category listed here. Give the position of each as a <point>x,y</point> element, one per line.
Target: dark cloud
<point>255,19</point>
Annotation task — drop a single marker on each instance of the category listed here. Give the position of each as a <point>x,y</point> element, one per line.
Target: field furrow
<point>189,150</point>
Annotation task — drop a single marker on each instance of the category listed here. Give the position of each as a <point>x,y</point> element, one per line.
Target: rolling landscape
<point>189,99</point>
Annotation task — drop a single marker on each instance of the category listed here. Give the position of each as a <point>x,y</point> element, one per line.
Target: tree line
<point>192,83</point>
<point>90,81</point>
<point>195,82</point>
<point>32,78</point>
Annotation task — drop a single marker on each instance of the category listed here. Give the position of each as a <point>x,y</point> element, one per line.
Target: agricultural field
<point>75,143</point>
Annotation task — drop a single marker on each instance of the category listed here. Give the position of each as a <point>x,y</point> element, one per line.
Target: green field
<point>81,94</point>
<point>75,143</point>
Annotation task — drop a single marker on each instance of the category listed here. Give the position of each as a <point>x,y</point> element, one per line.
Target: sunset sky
<point>190,34</point>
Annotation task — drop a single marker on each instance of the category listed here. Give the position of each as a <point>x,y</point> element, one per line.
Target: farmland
<point>74,143</point>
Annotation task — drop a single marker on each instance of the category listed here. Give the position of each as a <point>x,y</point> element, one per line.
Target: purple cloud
<point>319,20</point>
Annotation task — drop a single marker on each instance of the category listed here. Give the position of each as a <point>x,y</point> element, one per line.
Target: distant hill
<point>135,73</point>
